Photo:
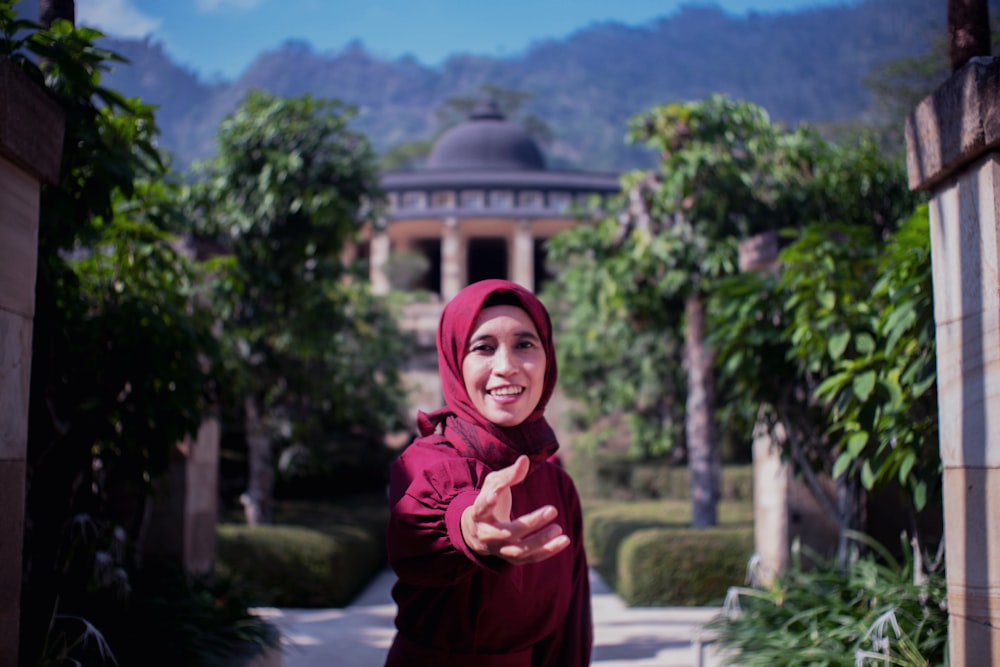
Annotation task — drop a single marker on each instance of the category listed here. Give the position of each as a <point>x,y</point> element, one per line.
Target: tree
<point>122,350</point>
<point>313,350</point>
<point>725,172</point>
<point>831,350</point>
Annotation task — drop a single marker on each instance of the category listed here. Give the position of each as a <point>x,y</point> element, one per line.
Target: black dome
<point>486,142</point>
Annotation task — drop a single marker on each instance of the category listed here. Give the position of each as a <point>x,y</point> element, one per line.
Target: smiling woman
<point>485,531</point>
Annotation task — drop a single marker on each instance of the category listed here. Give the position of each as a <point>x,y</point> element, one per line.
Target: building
<point>482,207</point>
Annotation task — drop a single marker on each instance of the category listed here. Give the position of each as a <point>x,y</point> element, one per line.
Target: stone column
<point>185,505</point>
<point>378,256</point>
<point>452,260</point>
<point>953,138</point>
<point>523,261</point>
<point>31,136</point>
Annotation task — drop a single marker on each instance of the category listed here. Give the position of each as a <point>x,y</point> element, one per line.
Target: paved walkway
<point>359,635</point>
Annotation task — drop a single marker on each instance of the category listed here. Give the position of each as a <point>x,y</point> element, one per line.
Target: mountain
<point>806,66</point>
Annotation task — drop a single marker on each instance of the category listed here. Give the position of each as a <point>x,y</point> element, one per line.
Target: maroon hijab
<point>462,426</point>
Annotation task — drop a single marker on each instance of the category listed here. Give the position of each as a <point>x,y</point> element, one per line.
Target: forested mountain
<point>809,65</point>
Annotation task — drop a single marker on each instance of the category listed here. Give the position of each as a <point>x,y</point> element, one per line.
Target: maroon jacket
<point>457,609</point>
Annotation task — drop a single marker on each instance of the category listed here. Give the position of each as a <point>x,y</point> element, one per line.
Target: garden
<point>165,298</point>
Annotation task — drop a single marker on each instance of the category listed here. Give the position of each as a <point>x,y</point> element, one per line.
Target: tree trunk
<point>52,10</point>
<point>257,500</point>
<point>704,459</point>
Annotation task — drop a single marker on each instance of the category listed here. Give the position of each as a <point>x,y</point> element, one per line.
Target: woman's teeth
<point>506,391</point>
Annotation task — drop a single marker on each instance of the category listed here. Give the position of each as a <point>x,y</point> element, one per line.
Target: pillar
<point>452,260</point>
<point>31,136</point>
<point>185,503</point>
<point>523,256</point>
<point>952,153</point>
<point>377,259</point>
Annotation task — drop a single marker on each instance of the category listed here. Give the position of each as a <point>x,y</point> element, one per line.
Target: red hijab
<point>463,427</point>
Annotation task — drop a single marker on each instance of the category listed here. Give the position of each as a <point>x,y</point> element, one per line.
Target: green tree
<point>315,353</point>
<point>832,347</point>
<point>725,172</point>
<point>122,349</point>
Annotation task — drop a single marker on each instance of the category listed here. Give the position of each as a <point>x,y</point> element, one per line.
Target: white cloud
<point>116,17</point>
<point>208,6</point>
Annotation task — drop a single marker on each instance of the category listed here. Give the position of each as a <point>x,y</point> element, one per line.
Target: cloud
<point>208,6</point>
<point>116,17</point>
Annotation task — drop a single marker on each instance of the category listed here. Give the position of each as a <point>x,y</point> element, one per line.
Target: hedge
<point>296,566</point>
<point>686,567</point>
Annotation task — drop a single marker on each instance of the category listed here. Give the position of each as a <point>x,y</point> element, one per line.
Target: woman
<point>485,532</point>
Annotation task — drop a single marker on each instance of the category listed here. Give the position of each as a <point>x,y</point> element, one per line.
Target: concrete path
<point>359,635</point>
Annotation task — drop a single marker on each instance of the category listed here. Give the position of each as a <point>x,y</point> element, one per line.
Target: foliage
<point>196,621</point>
<point>655,567</point>
<point>607,525</point>
<point>288,192</point>
<point>827,615</point>
<point>122,350</point>
<point>295,566</point>
<point>839,346</point>
<point>725,172</point>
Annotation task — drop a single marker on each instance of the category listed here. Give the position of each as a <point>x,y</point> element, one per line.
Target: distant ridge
<point>801,66</point>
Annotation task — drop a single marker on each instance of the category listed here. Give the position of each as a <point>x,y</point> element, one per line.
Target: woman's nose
<point>503,361</point>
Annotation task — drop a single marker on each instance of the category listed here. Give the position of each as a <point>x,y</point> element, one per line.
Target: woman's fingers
<point>537,547</point>
<point>488,529</point>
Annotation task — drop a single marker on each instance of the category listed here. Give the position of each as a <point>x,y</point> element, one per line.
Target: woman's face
<point>504,366</point>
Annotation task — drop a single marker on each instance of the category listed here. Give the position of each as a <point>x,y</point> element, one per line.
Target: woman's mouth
<point>505,392</point>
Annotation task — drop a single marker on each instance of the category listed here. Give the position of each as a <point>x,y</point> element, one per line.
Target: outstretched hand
<point>489,531</point>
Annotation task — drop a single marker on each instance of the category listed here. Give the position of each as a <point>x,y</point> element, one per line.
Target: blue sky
<point>219,38</point>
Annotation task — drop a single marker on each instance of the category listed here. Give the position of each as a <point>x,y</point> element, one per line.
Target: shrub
<point>607,525</point>
<point>686,567</point>
<point>296,566</point>
<point>825,615</point>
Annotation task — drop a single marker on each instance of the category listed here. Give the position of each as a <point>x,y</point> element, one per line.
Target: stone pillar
<point>31,137</point>
<point>771,534</point>
<point>953,138</point>
<point>378,257</point>
<point>185,505</point>
<point>452,260</point>
<point>523,261</point>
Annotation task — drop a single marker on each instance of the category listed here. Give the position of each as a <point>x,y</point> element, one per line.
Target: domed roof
<point>486,142</point>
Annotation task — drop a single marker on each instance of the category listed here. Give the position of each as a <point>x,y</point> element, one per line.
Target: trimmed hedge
<point>295,566</point>
<point>610,527</point>
<point>686,567</point>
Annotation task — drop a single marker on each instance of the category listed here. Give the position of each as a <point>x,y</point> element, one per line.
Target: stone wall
<point>31,133</point>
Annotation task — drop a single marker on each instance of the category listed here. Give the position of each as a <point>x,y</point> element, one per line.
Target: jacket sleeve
<point>428,491</point>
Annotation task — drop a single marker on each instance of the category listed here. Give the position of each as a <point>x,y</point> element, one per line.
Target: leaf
<point>838,344</point>
<point>864,384</point>
<point>856,443</point>
<point>919,495</point>
<point>841,465</point>
<point>906,465</point>
<point>867,475</point>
